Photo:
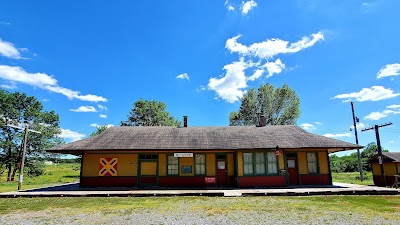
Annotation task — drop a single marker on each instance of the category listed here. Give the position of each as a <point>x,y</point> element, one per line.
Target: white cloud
<point>337,135</point>
<point>201,88</point>
<point>384,113</point>
<point>103,116</point>
<point>307,126</point>
<point>183,76</point>
<point>43,81</point>
<point>272,47</point>
<point>391,142</point>
<point>274,67</point>
<point>8,50</point>
<point>230,86</point>
<point>393,107</point>
<point>84,109</point>
<point>360,126</point>
<point>71,135</point>
<point>9,86</point>
<point>319,123</point>
<point>375,93</point>
<point>102,107</point>
<point>97,125</point>
<point>389,70</point>
<point>246,7</point>
<point>230,8</point>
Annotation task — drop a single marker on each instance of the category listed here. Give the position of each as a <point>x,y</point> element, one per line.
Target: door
<point>221,172</point>
<point>292,170</point>
<point>148,176</point>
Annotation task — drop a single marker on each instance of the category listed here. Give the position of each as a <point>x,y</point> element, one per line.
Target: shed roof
<point>392,156</point>
<point>204,138</point>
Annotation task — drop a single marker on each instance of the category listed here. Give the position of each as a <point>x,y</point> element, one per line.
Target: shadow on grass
<point>71,176</point>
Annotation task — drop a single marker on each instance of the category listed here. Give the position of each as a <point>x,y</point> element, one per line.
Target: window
<point>248,163</point>
<point>148,156</point>
<point>173,165</point>
<point>312,162</point>
<point>272,163</point>
<point>200,164</point>
<point>260,163</point>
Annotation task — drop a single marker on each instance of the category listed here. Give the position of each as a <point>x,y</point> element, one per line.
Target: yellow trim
<point>210,164</point>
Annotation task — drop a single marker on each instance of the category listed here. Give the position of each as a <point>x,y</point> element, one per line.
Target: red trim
<point>261,181</point>
<point>196,181</point>
<point>108,181</point>
<point>314,179</point>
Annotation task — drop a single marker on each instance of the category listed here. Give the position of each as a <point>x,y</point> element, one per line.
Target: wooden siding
<point>162,164</point>
<point>240,163</point>
<point>302,162</point>
<point>210,164</point>
<point>323,163</point>
<point>186,162</point>
<point>230,165</point>
<point>127,164</point>
<point>389,167</point>
<point>281,165</point>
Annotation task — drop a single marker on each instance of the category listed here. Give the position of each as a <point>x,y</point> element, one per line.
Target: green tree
<point>280,106</point>
<point>98,130</point>
<point>150,113</point>
<point>22,110</point>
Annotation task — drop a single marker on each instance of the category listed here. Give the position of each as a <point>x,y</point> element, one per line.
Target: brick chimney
<point>263,121</point>
<point>185,121</point>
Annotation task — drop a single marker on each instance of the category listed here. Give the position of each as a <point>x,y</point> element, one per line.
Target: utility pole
<point>21,168</point>
<point>378,143</point>
<point>355,120</point>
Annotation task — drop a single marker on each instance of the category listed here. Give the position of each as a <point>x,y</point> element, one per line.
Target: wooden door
<point>292,171</point>
<point>148,173</point>
<point>221,172</point>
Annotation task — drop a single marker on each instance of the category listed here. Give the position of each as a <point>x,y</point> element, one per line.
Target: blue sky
<point>91,60</point>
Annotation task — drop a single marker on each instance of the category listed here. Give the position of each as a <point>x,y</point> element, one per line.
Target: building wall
<point>128,170</point>
<point>390,169</point>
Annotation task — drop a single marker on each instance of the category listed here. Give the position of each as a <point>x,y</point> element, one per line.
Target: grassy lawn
<point>353,178</point>
<point>54,174</point>
<point>198,210</point>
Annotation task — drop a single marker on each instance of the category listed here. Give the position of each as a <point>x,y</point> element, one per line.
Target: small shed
<point>391,168</point>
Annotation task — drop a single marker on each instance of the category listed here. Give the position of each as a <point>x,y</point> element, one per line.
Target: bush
<point>35,168</point>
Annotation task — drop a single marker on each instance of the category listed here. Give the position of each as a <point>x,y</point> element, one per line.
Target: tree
<point>21,110</point>
<point>150,113</point>
<point>280,106</point>
<point>349,163</point>
<point>98,130</point>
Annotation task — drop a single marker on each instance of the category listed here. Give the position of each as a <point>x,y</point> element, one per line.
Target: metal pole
<point>21,170</point>
<point>358,150</point>
<point>378,142</point>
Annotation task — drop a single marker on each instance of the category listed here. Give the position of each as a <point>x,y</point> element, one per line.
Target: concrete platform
<point>73,190</point>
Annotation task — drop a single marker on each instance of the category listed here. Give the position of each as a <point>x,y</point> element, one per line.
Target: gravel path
<point>209,217</point>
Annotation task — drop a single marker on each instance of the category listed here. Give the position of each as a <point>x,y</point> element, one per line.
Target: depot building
<point>234,156</point>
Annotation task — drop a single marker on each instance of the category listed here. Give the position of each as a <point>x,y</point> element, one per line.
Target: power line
<point>355,120</point>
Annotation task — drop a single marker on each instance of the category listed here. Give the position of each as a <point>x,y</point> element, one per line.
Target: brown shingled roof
<point>392,156</point>
<point>204,138</point>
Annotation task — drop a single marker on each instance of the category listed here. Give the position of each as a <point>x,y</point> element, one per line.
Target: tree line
<point>280,106</point>
<point>349,163</point>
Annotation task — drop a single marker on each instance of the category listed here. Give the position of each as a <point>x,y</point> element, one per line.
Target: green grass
<point>353,178</point>
<point>366,205</point>
<point>54,174</point>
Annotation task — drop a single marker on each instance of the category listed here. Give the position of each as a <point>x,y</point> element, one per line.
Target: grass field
<point>54,174</point>
<point>203,210</point>
<point>353,178</point>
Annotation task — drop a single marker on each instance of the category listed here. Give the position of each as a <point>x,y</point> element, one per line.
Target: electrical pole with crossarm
<point>378,143</point>
<point>355,120</point>
<point>21,169</point>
